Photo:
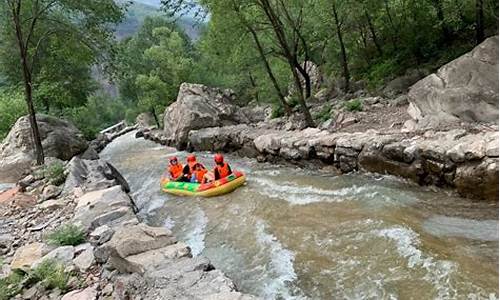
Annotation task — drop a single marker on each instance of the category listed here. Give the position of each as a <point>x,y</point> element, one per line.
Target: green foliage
<point>51,275</point>
<point>55,173</point>
<point>152,64</point>
<point>354,105</point>
<point>68,234</point>
<point>98,113</point>
<point>325,113</point>
<point>277,111</point>
<point>12,106</point>
<point>379,72</point>
<point>11,285</point>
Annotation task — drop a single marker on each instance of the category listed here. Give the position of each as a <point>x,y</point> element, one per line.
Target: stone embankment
<point>465,161</point>
<point>120,257</point>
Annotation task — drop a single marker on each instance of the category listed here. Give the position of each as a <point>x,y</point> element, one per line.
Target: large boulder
<point>198,106</point>
<point>60,139</point>
<point>466,89</point>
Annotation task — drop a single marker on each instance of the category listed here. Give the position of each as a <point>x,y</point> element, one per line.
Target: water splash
<point>280,265</point>
<point>438,272</point>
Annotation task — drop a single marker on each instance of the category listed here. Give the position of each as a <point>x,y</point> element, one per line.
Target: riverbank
<point>120,258</point>
<point>464,161</point>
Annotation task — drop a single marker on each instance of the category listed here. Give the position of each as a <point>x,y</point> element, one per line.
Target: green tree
<point>154,63</point>
<point>30,24</point>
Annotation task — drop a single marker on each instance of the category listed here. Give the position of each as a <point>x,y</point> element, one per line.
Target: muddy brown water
<point>296,234</point>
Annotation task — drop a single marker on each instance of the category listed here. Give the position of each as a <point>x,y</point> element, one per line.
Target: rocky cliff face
<point>60,139</point>
<point>198,106</point>
<point>466,89</point>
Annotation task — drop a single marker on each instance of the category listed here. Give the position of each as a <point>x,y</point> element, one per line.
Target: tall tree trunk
<point>274,81</point>
<point>153,112</point>
<point>373,33</point>
<point>479,21</point>
<point>28,82</point>
<point>307,79</point>
<point>391,22</point>
<point>303,107</point>
<point>345,67</point>
<point>255,91</point>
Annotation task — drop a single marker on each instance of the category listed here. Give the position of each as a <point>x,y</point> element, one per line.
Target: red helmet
<point>219,158</point>
<point>173,158</point>
<point>191,158</point>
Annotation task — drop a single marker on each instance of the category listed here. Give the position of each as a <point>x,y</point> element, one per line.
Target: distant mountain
<point>140,9</point>
<point>155,3</point>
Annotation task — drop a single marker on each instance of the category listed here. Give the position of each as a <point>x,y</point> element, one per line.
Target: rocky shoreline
<point>121,257</point>
<point>464,161</point>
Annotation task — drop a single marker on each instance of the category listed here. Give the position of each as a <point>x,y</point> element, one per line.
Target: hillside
<point>139,10</point>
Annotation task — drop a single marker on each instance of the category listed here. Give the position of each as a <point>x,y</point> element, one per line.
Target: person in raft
<point>200,174</point>
<point>188,170</point>
<point>222,169</point>
<point>174,169</point>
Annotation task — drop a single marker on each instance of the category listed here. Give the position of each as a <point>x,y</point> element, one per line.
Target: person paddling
<point>174,169</point>
<point>222,169</point>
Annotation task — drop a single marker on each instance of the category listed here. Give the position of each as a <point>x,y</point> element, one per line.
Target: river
<point>297,234</point>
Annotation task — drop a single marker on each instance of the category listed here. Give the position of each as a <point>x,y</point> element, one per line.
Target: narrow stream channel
<point>296,234</point>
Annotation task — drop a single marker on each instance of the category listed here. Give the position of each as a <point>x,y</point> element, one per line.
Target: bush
<point>325,113</point>
<point>51,275</point>
<point>11,285</point>
<point>277,111</point>
<point>65,235</point>
<point>12,107</point>
<point>354,105</point>
<point>55,173</point>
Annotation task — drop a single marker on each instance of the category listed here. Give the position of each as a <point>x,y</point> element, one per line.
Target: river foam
<point>280,265</point>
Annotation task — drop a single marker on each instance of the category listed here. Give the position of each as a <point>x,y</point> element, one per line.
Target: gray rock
<point>89,293</point>
<point>90,154</point>
<point>101,234</point>
<point>85,260</point>
<point>62,255</point>
<point>134,239</point>
<point>26,181</point>
<point>465,89</point>
<point>145,120</point>
<point>60,139</point>
<point>50,192</point>
<point>110,207</point>
<point>52,204</point>
<point>198,106</point>
<point>401,84</point>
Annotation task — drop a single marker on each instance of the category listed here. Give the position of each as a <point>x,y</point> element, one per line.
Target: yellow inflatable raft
<point>215,188</point>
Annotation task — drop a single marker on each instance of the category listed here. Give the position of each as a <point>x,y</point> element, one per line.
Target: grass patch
<point>11,285</point>
<point>325,113</point>
<point>55,173</point>
<point>354,105</point>
<point>51,275</point>
<point>66,235</point>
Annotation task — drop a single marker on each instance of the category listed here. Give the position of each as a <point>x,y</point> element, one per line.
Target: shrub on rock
<point>67,235</point>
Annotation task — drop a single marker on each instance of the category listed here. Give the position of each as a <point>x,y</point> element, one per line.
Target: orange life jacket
<point>223,170</point>
<point>199,175</point>
<point>175,171</point>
